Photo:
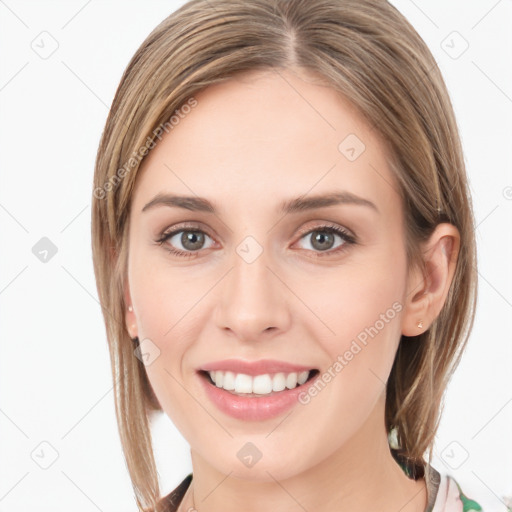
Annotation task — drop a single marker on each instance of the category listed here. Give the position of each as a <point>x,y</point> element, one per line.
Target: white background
<point>55,376</point>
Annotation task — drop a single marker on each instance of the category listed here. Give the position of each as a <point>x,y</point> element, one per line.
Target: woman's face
<point>259,282</point>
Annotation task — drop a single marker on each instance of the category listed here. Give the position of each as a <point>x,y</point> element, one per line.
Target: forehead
<point>268,134</point>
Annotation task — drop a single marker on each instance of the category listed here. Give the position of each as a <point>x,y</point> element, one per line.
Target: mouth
<point>262,385</point>
<point>257,390</point>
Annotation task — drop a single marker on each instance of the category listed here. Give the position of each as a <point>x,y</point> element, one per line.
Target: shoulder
<point>451,498</point>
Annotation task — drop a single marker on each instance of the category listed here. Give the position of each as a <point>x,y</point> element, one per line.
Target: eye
<point>322,239</point>
<point>191,241</point>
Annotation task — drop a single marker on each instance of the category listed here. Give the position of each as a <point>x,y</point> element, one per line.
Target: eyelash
<point>326,228</point>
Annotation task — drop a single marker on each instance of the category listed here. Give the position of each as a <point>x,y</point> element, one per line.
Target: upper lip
<point>259,367</point>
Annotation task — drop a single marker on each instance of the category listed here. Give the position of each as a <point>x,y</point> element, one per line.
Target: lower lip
<point>253,408</point>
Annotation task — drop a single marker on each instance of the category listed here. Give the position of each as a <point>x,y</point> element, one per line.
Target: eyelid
<point>326,224</point>
<point>185,226</point>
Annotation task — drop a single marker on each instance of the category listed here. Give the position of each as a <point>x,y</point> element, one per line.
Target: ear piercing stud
<point>420,324</point>
<point>130,308</point>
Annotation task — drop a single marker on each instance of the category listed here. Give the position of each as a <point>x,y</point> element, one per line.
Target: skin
<point>250,143</point>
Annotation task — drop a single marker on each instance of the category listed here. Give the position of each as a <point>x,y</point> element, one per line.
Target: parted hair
<point>368,52</point>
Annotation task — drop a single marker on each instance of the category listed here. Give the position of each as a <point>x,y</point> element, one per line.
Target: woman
<point>282,225</point>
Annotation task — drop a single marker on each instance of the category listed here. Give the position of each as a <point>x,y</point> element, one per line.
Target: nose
<point>254,300</point>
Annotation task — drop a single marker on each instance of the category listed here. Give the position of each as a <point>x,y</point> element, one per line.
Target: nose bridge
<point>252,298</point>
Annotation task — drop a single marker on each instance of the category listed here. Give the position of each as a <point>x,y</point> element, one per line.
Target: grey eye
<point>322,240</point>
<point>190,240</point>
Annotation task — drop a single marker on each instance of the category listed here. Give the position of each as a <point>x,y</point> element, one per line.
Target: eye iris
<point>321,237</point>
<point>195,237</point>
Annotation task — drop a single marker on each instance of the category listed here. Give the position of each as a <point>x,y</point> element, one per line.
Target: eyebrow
<point>295,205</point>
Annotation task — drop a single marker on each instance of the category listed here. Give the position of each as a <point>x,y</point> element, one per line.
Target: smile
<point>264,384</point>
<point>255,397</point>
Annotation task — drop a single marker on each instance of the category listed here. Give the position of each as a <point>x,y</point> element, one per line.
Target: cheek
<point>359,312</point>
<point>167,303</point>
<point>366,324</point>
<point>166,299</point>
<point>353,301</point>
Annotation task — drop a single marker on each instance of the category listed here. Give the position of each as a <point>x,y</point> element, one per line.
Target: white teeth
<point>219,378</point>
<point>291,380</point>
<point>262,384</point>
<point>259,384</point>
<point>243,383</point>
<point>303,377</point>
<point>279,382</point>
<point>229,381</point>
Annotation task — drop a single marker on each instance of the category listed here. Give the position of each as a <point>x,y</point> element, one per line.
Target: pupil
<point>321,237</point>
<point>194,238</point>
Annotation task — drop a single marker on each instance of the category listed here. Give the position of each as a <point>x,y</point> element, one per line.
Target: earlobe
<point>428,287</point>
<point>130,320</point>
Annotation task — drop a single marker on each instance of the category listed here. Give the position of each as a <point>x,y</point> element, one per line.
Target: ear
<point>427,288</point>
<point>130,319</point>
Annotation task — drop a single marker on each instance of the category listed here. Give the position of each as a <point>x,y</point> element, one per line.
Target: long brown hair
<point>372,55</point>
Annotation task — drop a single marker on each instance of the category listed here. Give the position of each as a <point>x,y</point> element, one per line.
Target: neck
<point>358,476</point>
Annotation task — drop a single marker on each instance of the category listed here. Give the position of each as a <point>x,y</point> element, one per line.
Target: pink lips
<point>252,407</point>
<point>254,367</point>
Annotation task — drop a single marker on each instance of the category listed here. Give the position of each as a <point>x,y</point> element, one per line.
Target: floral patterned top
<point>450,497</point>
<point>443,492</point>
